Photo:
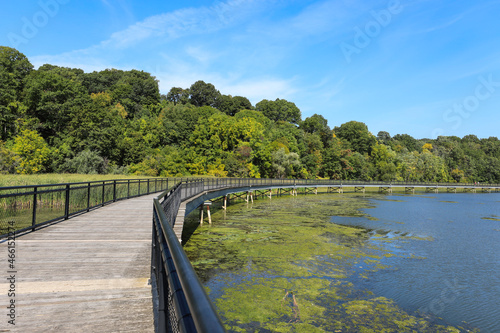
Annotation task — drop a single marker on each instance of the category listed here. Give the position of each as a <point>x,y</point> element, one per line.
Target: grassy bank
<point>58,178</point>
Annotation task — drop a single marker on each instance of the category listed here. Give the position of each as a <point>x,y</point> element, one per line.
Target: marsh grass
<point>17,203</point>
<point>57,178</point>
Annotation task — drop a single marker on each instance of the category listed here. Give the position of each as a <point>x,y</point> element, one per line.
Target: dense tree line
<point>56,119</point>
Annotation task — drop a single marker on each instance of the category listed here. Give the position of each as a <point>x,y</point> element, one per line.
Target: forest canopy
<point>63,120</point>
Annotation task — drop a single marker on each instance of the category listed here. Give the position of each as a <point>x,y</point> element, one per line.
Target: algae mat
<point>281,265</point>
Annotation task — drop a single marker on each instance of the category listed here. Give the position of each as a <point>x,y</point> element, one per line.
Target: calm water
<point>449,255</point>
<point>394,263</point>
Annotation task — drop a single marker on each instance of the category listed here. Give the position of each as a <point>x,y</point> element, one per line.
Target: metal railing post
<point>114,191</point>
<point>33,217</point>
<point>88,197</point>
<point>66,204</point>
<point>103,186</point>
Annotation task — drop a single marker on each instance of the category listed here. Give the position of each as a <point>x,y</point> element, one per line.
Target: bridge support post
<point>208,213</point>
<point>270,193</point>
<point>359,189</point>
<point>410,189</point>
<point>338,189</point>
<point>434,189</point>
<point>202,206</point>
<point>249,196</point>
<point>225,203</point>
<point>386,189</point>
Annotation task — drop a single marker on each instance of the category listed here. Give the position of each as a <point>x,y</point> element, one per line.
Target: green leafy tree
<point>280,110</point>
<point>317,124</point>
<point>356,135</point>
<point>284,163</point>
<point>337,161</point>
<point>178,96</point>
<point>360,167</point>
<point>178,122</point>
<point>8,159</point>
<point>407,141</point>
<point>53,94</point>
<point>384,137</point>
<point>242,103</point>
<point>256,115</point>
<point>232,105</point>
<point>98,126</point>
<point>14,67</point>
<point>32,151</point>
<point>85,162</point>
<point>312,160</point>
<point>383,158</point>
<point>407,166</point>
<point>136,90</point>
<point>203,94</point>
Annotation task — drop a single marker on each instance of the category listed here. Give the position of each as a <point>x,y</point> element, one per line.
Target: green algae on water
<point>280,265</point>
<point>491,218</point>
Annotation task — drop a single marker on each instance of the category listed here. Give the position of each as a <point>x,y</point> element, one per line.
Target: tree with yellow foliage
<point>32,152</point>
<point>427,146</point>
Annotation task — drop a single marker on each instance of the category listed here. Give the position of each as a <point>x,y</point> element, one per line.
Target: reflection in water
<point>294,305</point>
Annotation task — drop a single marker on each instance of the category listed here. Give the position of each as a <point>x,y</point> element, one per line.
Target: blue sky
<point>419,67</point>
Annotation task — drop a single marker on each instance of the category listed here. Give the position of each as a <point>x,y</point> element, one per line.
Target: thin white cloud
<point>187,21</point>
<point>444,25</point>
<point>160,30</point>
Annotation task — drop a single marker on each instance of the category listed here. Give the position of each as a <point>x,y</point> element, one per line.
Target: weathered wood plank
<point>87,274</point>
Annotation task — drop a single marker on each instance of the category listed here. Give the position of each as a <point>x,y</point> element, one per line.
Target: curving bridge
<point>93,272</point>
<point>180,302</point>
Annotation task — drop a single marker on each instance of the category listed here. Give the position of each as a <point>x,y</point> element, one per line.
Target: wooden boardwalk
<point>87,274</point>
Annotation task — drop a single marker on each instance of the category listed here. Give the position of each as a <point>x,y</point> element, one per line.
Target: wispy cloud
<point>443,25</point>
<point>188,21</point>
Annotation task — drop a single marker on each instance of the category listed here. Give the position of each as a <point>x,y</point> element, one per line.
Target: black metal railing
<point>180,302</point>
<point>25,208</point>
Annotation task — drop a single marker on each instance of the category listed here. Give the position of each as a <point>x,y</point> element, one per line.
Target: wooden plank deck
<point>87,274</point>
